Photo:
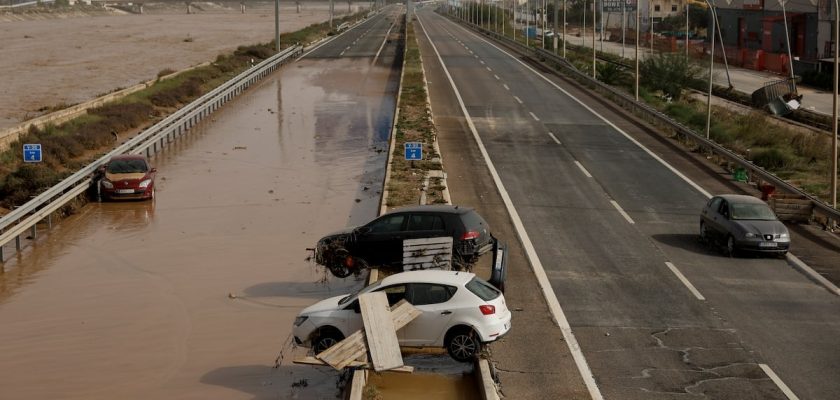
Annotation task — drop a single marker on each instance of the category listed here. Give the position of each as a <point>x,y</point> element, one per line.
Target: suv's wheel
<point>326,338</point>
<point>462,344</point>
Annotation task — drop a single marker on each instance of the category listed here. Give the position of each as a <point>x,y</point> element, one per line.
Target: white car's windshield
<point>752,212</point>
<point>356,294</point>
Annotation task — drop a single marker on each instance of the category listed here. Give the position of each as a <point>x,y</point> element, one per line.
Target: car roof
<point>429,276</point>
<point>740,198</point>
<point>439,208</point>
<point>128,157</point>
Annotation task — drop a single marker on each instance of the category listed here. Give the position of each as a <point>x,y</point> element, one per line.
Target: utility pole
<point>787,44</point>
<point>687,3</point>
<point>554,42</point>
<point>834,107</point>
<point>564,28</point>
<point>594,27</point>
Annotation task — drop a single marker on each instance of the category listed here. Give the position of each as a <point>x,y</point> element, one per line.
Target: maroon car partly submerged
<point>128,176</point>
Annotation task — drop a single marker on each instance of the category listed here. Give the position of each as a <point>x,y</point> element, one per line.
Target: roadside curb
<point>811,274</point>
<point>392,142</point>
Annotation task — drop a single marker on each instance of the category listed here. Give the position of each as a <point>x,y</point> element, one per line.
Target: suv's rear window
<point>482,289</point>
<point>473,221</point>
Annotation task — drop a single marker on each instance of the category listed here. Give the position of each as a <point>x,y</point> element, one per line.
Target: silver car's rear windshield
<point>752,212</point>
<point>356,294</point>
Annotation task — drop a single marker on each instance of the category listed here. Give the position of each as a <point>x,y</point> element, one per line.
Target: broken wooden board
<point>434,253</point>
<point>349,350</point>
<point>357,364</point>
<point>382,343</point>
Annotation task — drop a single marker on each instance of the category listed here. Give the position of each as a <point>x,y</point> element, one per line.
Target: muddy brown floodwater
<point>193,296</point>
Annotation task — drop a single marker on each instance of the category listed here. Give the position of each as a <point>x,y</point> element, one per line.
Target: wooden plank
<point>380,331</point>
<point>351,349</point>
<point>425,241</point>
<point>356,364</point>
<point>427,253</point>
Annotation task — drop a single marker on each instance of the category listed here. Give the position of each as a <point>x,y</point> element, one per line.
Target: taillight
<point>470,235</point>
<point>487,309</point>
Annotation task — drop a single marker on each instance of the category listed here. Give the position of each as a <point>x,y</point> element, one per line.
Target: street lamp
<point>711,69</point>
<point>834,107</point>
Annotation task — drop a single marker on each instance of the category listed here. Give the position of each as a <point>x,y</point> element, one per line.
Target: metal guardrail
<point>820,207</point>
<point>27,216</point>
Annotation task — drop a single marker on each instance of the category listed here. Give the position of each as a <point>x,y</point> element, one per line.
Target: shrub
<point>610,73</point>
<point>123,116</point>
<point>165,71</point>
<point>669,73</point>
<point>27,181</point>
<point>771,159</point>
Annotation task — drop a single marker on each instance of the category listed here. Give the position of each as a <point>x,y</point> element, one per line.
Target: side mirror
<point>362,230</point>
<point>153,170</point>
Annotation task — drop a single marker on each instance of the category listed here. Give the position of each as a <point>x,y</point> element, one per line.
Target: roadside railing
<point>26,217</point>
<point>821,210</point>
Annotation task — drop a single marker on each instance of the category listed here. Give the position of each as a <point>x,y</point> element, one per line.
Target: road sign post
<point>32,153</point>
<point>413,151</point>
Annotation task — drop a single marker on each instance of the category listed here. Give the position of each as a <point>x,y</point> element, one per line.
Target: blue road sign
<point>413,151</point>
<point>32,153</point>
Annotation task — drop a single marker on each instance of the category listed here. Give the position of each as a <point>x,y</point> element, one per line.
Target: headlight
<point>301,319</point>
<point>750,235</point>
<point>783,235</point>
<point>145,183</point>
<point>107,184</point>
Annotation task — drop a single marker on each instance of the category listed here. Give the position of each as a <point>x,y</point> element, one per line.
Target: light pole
<point>594,27</point>
<point>787,44</point>
<point>564,28</point>
<point>277,25</point>
<point>687,3</point>
<point>554,11</point>
<point>711,70</point>
<point>834,106</point>
<point>638,20</point>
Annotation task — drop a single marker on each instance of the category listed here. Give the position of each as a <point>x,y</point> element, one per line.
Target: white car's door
<point>435,301</point>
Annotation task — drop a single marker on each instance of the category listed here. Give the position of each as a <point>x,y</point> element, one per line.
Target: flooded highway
<point>193,296</point>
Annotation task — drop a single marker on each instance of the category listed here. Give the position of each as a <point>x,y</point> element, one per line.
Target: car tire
<point>730,248</point>
<point>338,267</point>
<point>462,344</point>
<point>326,338</point>
<point>704,232</point>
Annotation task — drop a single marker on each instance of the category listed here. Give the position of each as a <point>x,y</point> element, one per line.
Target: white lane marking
<point>497,77</point>
<point>630,138</point>
<point>488,68</point>
<point>476,56</point>
<point>582,169</point>
<point>554,137</point>
<point>685,281</point>
<point>530,251</point>
<point>383,43</point>
<point>621,211</point>
<point>518,99</point>
<point>506,86</point>
<point>342,53</point>
<point>534,116</point>
<point>481,61</point>
<point>778,381</point>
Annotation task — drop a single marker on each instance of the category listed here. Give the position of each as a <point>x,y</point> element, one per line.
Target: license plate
<point>768,244</point>
<point>125,191</point>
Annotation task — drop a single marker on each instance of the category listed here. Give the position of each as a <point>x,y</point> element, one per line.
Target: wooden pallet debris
<point>382,344</point>
<point>359,364</point>
<point>354,347</point>
<point>427,253</point>
<point>789,207</point>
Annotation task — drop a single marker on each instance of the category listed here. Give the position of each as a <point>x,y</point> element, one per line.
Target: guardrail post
<point>34,231</point>
<point>49,221</point>
<point>17,242</point>
<point>2,257</point>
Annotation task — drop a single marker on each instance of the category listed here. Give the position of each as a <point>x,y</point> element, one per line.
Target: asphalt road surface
<point>193,295</point>
<point>612,226</point>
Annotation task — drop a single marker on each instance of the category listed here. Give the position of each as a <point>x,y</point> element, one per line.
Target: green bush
<point>25,182</point>
<point>610,73</point>
<point>669,72</point>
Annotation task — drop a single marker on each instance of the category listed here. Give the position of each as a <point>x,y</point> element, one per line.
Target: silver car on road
<point>743,223</point>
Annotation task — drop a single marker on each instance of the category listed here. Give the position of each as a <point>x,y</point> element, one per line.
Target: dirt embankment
<point>49,62</point>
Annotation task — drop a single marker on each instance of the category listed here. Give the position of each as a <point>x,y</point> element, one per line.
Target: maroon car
<point>128,176</point>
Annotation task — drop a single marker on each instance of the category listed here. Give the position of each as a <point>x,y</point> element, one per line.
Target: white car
<point>460,313</point>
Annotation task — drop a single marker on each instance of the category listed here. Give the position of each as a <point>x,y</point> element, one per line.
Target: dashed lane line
<point>621,211</point>
<point>580,166</point>
<point>685,281</point>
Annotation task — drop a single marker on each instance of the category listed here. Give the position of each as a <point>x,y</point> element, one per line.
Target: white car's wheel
<point>326,338</point>
<point>462,344</point>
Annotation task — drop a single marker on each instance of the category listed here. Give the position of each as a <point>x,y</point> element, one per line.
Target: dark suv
<point>380,242</point>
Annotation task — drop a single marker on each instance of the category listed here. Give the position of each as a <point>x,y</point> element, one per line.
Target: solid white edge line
<point>815,276</point>
<point>506,87</point>
<point>530,251</point>
<point>554,137</point>
<point>621,211</point>
<point>685,281</point>
<point>579,165</point>
<point>488,68</point>
<point>384,40</point>
<point>518,99</point>
<point>534,116</point>
<point>778,381</point>
<point>319,45</point>
<point>497,77</point>
<point>601,117</point>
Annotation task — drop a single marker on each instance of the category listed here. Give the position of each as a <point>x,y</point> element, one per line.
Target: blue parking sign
<point>413,151</point>
<point>32,153</point>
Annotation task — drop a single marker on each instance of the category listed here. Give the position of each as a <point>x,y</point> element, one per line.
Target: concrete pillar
<point>242,7</point>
